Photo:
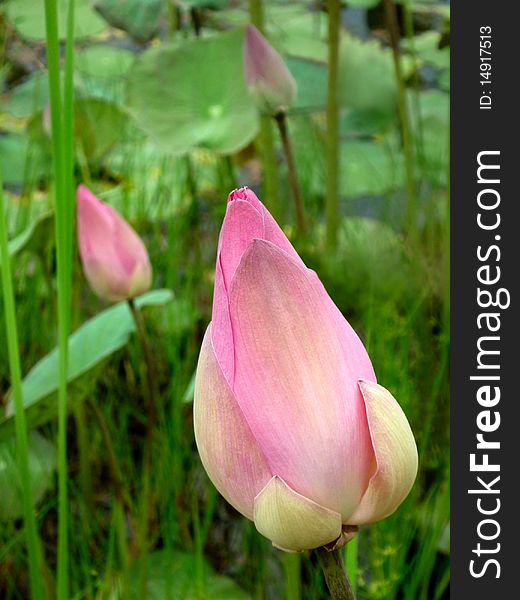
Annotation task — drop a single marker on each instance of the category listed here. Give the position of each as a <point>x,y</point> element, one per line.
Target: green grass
<point>61,108</point>
<point>96,541</point>
<point>13,351</point>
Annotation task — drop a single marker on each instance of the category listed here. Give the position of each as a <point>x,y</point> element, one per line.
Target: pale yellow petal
<point>291,521</point>
<point>396,455</point>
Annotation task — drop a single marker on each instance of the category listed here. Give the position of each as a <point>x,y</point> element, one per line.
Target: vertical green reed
<point>294,184</point>
<point>417,119</point>
<point>266,137</point>
<point>351,561</point>
<point>292,573</point>
<point>63,163</point>
<point>404,118</point>
<point>22,446</point>
<point>332,140</point>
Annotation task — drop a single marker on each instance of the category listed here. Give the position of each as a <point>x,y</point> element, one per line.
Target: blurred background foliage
<point>163,129</point>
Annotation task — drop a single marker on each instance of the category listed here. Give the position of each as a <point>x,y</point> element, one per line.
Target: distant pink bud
<point>268,79</point>
<point>290,424</point>
<point>114,258</point>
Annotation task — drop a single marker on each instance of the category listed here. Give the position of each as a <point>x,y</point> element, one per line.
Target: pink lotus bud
<point>289,422</point>
<point>268,79</point>
<point>114,258</point>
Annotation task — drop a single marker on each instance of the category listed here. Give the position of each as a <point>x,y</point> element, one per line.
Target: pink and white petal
<point>228,450</point>
<point>271,230</point>
<point>292,521</point>
<point>242,224</point>
<point>355,354</point>
<point>298,393</point>
<point>273,233</point>
<point>129,247</point>
<point>221,333</point>
<point>396,455</point>
<point>106,284</point>
<point>247,195</point>
<point>95,225</point>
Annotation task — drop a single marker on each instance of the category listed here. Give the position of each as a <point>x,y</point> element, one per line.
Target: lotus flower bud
<point>290,424</point>
<point>268,79</point>
<point>114,258</point>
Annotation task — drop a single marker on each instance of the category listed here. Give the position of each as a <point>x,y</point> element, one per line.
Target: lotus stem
<point>150,394</point>
<point>333,568</point>
<point>281,121</point>
<point>265,143</point>
<point>22,443</point>
<point>151,410</point>
<point>61,105</point>
<point>393,32</point>
<point>332,199</point>
<point>119,496</point>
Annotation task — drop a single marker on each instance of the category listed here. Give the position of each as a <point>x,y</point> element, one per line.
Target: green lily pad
<point>28,97</point>
<point>434,106</point>
<point>363,123</point>
<point>366,76</point>
<point>140,18</point>
<point>378,270</point>
<point>375,253</point>
<point>311,79</point>
<point>42,462</point>
<point>174,574</point>
<point>213,4</point>
<point>104,61</point>
<point>98,125</point>
<point>28,17</point>
<point>89,347</point>
<point>369,168</point>
<point>296,31</point>
<point>21,159</point>
<point>429,7</point>
<point>426,46</point>
<point>194,95</point>
<point>35,236</point>
<point>363,3</point>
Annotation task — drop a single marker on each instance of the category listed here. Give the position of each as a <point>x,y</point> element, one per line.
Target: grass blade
<point>63,161</point>
<point>33,542</point>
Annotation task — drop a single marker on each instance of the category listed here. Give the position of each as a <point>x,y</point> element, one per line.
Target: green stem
<point>393,31</point>
<point>446,258</point>
<point>332,199</point>
<point>332,565</point>
<point>292,572</point>
<point>111,453</point>
<point>22,444</point>
<point>256,11</point>
<point>151,408</point>
<point>281,121</point>
<point>172,17</point>
<point>62,144</point>
<point>265,142</point>
<point>229,168</point>
<point>197,19</point>
<point>270,167</point>
<point>351,561</point>
<point>85,474</point>
<point>150,376</point>
<point>416,79</point>
<point>117,481</point>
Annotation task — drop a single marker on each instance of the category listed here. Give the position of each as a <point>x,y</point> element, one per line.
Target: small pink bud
<point>114,258</point>
<point>289,422</point>
<point>268,79</point>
